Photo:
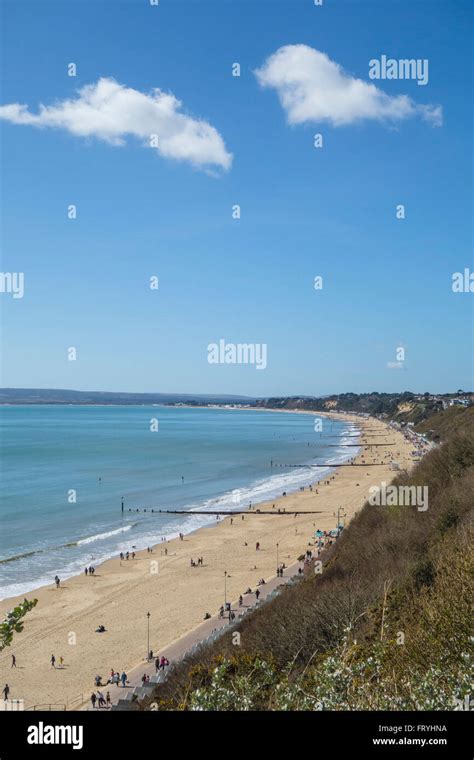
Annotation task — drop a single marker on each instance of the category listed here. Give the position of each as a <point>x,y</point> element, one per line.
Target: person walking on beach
<point>93,699</point>
<point>53,661</point>
<point>257,594</point>
<point>123,678</point>
<point>57,581</point>
<point>13,661</point>
<point>157,664</point>
<point>6,692</point>
<point>108,700</point>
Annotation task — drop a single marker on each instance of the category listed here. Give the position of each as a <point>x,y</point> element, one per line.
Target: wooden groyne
<point>374,435</point>
<point>337,445</point>
<point>325,464</point>
<point>150,510</point>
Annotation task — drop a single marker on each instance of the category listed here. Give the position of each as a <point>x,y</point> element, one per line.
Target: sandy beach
<point>176,595</point>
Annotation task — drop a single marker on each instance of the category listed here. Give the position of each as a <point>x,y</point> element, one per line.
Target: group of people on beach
<point>261,582</point>
<point>223,610</point>
<point>115,679</point>
<point>161,663</point>
<point>127,555</point>
<point>101,701</point>
<point>325,539</point>
<point>53,661</point>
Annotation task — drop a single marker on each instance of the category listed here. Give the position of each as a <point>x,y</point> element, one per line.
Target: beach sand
<point>177,595</point>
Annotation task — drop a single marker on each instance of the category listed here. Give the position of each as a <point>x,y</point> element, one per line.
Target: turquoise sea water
<point>106,453</point>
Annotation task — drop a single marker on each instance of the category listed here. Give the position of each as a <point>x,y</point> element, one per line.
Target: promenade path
<point>175,651</point>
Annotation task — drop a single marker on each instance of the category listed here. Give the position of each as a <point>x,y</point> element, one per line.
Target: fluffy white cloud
<point>109,111</point>
<point>312,88</point>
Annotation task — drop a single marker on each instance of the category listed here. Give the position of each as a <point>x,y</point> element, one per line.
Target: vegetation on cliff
<point>386,625</point>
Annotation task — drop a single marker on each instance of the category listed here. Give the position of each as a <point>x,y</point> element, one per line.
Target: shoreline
<point>177,596</point>
<point>67,575</point>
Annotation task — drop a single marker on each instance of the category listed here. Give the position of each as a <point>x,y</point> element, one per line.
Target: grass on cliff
<point>386,625</point>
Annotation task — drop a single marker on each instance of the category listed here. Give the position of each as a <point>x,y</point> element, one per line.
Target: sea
<point>66,469</point>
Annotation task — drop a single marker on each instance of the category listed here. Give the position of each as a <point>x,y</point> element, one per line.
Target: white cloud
<point>312,89</point>
<point>111,112</point>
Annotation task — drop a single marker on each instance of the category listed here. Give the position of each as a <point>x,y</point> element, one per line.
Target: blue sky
<point>304,211</point>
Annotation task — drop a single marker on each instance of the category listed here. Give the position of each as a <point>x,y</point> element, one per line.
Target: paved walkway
<point>175,651</point>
